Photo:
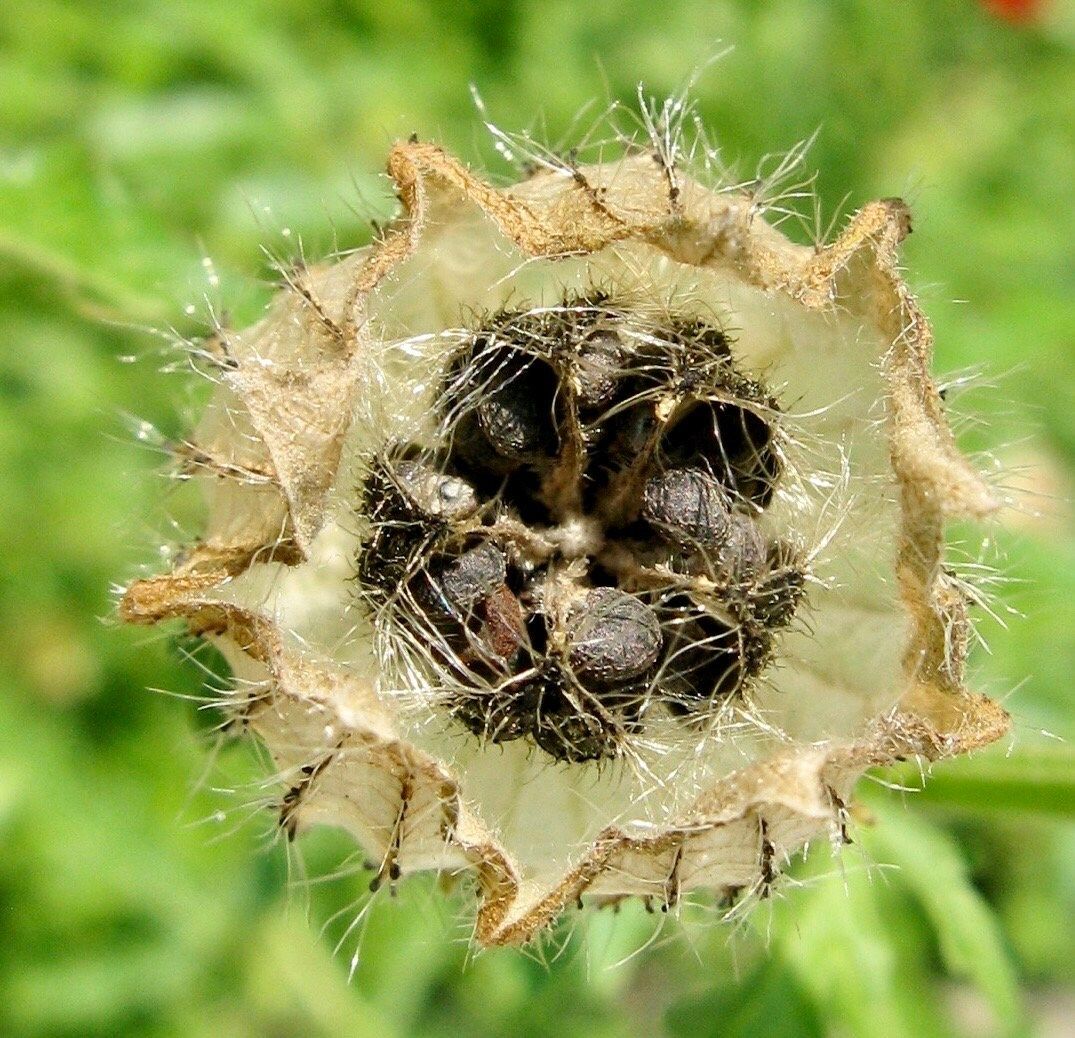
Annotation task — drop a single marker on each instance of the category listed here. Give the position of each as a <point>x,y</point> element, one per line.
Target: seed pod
<point>614,637</point>
<point>689,506</point>
<point>355,358</point>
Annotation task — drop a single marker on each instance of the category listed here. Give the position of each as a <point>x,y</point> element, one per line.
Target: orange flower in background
<point>1014,10</point>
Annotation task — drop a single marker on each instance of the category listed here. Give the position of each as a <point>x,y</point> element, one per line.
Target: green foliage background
<point>137,138</point>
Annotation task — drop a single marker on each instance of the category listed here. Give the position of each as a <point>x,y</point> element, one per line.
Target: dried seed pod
<point>365,355</point>
<point>688,505</point>
<point>614,636</point>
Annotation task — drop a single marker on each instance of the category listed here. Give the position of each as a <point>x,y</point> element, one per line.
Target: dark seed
<point>599,368</point>
<point>570,733</point>
<point>475,575</point>
<point>615,637</point>
<point>503,624</point>
<point>513,422</point>
<point>516,414</point>
<point>743,554</point>
<point>689,505</point>
<point>499,404</point>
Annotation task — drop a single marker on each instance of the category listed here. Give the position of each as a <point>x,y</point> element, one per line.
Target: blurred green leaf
<point>767,1001</point>
<point>1039,780</point>
<point>839,945</point>
<point>968,933</point>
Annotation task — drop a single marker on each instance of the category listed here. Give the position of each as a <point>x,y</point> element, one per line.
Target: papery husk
<point>292,384</point>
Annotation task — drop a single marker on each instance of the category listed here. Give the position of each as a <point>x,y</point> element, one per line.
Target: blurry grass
<point>137,139</point>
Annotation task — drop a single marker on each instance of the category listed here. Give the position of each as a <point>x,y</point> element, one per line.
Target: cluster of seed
<point>582,547</point>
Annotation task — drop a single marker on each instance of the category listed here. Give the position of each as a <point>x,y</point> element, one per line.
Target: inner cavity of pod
<point>579,550</point>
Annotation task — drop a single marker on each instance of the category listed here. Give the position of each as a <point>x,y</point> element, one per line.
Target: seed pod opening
<point>555,476</point>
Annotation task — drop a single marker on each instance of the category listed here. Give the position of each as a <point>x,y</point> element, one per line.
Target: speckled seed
<point>516,415</point>
<point>598,369</point>
<point>615,637</point>
<point>435,493</point>
<point>475,575</point>
<point>743,554</point>
<point>689,506</point>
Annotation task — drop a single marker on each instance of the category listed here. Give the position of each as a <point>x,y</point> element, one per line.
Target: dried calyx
<point>581,548</point>
<point>615,589</point>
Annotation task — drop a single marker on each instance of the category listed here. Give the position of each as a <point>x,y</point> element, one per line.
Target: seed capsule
<point>671,477</point>
<point>616,637</point>
<point>689,506</point>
